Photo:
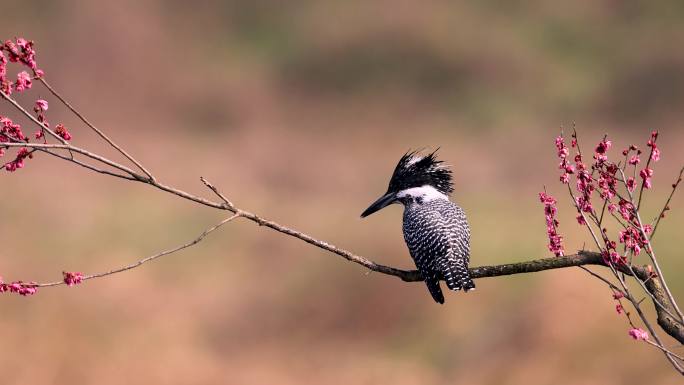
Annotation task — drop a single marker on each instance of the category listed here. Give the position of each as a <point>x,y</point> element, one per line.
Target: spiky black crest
<point>416,170</point>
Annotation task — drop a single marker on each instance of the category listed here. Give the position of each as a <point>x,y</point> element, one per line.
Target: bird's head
<point>417,178</point>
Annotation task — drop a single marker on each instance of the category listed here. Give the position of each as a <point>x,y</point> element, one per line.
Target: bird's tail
<point>457,276</point>
<point>435,290</point>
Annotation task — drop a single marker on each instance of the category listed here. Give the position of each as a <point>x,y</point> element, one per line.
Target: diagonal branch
<point>148,259</point>
<point>98,131</point>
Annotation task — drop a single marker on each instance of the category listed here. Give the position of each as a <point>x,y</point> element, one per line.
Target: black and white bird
<point>435,229</point>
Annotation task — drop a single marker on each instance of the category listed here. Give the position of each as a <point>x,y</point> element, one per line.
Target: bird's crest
<point>417,170</point>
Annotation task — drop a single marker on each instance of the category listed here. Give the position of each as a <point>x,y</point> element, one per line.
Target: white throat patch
<point>426,193</point>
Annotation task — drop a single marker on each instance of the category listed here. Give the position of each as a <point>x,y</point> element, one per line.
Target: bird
<point>435,229</point>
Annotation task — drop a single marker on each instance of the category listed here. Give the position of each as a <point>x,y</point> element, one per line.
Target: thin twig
<point>81,151</point>
<point>211,187</point>
<point>667,203</point>
<point>148,259</point>
<point>86,165</point>
<point>643,181</point>
<point>98,131</point>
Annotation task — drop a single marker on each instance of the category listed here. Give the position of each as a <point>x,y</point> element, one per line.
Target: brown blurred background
<point>299,113</point>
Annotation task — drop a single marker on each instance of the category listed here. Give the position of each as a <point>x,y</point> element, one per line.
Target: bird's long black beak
<point>384,200</point>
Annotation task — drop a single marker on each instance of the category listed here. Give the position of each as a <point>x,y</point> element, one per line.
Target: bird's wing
<point>455,264</point>
<point>427,243</point>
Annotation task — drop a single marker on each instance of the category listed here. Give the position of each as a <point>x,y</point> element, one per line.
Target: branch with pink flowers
<point>603,191</point>
<point>604,198</point>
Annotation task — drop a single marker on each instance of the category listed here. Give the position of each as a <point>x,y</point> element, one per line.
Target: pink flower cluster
<point>634,240</point>
<point>62,132</point>
<point>638,334</point>
<point>40,108</point>
<point>18,162</point>
<point>72,278</point>
<point>18,287</point>
<point>617,295</point>
<point>646,175</point>
<point>604,177</point>
<point>555,239</point>
<point>564,165</point>
<point>10,132</point>
<point>20,51</point>
<point>655,151</point>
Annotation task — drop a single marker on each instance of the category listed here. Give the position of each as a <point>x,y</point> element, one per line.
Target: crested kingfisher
<point>435,229</point>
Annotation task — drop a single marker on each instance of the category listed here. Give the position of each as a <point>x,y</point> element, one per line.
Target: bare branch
<point>98,131</point>
<point>228,203</point>
<point>150,258</point>
<point>81,151</point>
<point>666,206</point>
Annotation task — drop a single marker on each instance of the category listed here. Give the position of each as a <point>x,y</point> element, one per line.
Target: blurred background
<point>299,112</point>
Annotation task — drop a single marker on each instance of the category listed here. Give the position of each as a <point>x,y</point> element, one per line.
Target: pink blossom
<point>555,239</point>
<point>565,178</point>
<point>3,65</point>
<point>583,204</point>
<point>655,154</point>
<point>560,146</point>
<point>12,51</point>
<point>23,82</point>
<point>619,309</point>
<point>21,42</point>
<point>607,183</point>
<point>41,105</point>
<point>638,334</point>
<point>18,162</point>
<point>9,131</point>
<point>631,185</point>
<point>27,290</point>
<point>612,208</point>
<point>22,51</point>
<point>634,160</point>
<point>613,258</point>
<point>581,220</point>
<point>19,287</point>
<point>72,278</point>
<point>646,175</point>
<point>618,295</point>
<point>546,199</point>
<point>603,146</point>
<point>633,239</point>
<point>62,132</point>
<point>626,210</point>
